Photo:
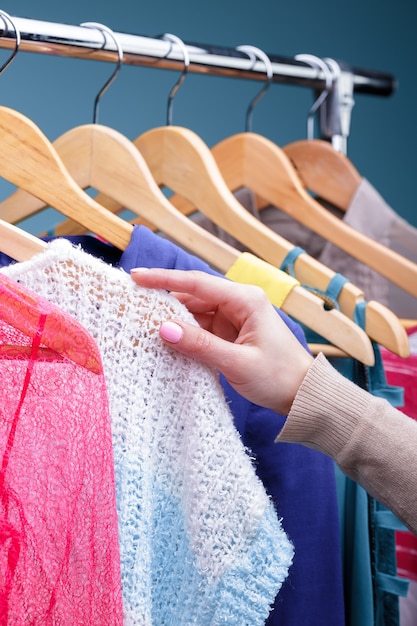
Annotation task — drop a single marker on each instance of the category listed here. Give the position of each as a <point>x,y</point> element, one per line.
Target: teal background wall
<point>58,93</point>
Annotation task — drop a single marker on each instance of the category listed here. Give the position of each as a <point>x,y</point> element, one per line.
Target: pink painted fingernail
<point>170,331</point>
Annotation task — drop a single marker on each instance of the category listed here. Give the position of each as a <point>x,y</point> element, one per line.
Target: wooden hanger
<point>323,170</point>
<point>29,160</point>
<point>177,157</point>
<point>181,161</point>
<point>327,173</point>
<point>17,243</point>
<point>300,303</point>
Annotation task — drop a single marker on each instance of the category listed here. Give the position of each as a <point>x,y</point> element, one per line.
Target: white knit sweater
<point>200,540</point>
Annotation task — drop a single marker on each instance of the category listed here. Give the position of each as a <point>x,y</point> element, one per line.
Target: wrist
<point>289,383</point>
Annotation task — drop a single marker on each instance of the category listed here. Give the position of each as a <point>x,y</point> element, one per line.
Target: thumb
<point>196,342</point>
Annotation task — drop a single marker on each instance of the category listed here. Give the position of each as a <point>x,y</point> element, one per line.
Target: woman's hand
<point>240,334</point>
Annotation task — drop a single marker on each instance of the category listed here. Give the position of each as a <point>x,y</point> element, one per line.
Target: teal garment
<point>356,551</point>
<point>371,586</point>
<point>383,523</point>
<point>367,528</point>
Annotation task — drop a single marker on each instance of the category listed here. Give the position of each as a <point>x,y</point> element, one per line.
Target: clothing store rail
<point>83,42</point>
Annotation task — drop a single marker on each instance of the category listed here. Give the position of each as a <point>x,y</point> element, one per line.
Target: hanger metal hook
<point>253,53</point>
<point>329,77</point>
<point>5,16</point>
<point>186,58</point>
<point>105,29</point>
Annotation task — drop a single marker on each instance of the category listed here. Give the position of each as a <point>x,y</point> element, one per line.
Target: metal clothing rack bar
<point>82,42</point>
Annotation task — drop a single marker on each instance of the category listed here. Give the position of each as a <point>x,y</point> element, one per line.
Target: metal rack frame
<point>86,43</point>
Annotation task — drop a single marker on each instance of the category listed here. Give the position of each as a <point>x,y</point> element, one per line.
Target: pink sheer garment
<point>59,554</point>
<point>403,373</point>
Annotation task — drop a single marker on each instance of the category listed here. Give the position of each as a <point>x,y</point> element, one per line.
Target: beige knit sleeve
<point>372,442</point>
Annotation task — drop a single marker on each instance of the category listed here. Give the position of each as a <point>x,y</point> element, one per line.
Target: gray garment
<point>369,214</point>
<point>247,199</point>
<point>276,219</point>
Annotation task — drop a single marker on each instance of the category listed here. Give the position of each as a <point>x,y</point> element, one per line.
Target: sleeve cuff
<point>325,411</point>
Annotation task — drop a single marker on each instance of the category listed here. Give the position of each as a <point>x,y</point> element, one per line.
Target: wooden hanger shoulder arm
<point>331,324</point>
<point>393,266</point>
<point>381,324</point>
<point>29,160</point>
<point>18,244</point>
<point>384,327</point>
<point>179,160</point>
<point>324,171</point>
<point>20,205</point>
<point>74,152</point>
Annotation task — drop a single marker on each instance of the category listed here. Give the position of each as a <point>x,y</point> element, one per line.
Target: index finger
<point>213,290</point>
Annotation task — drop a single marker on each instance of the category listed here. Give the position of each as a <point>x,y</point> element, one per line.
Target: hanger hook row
<point>6,17</point>
<point>186,59</point>
<point>329,77</point>
<point>105,29</point>
<point>253,53</point>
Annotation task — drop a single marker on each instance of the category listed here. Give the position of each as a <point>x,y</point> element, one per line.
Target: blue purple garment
<point>300,481</point>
